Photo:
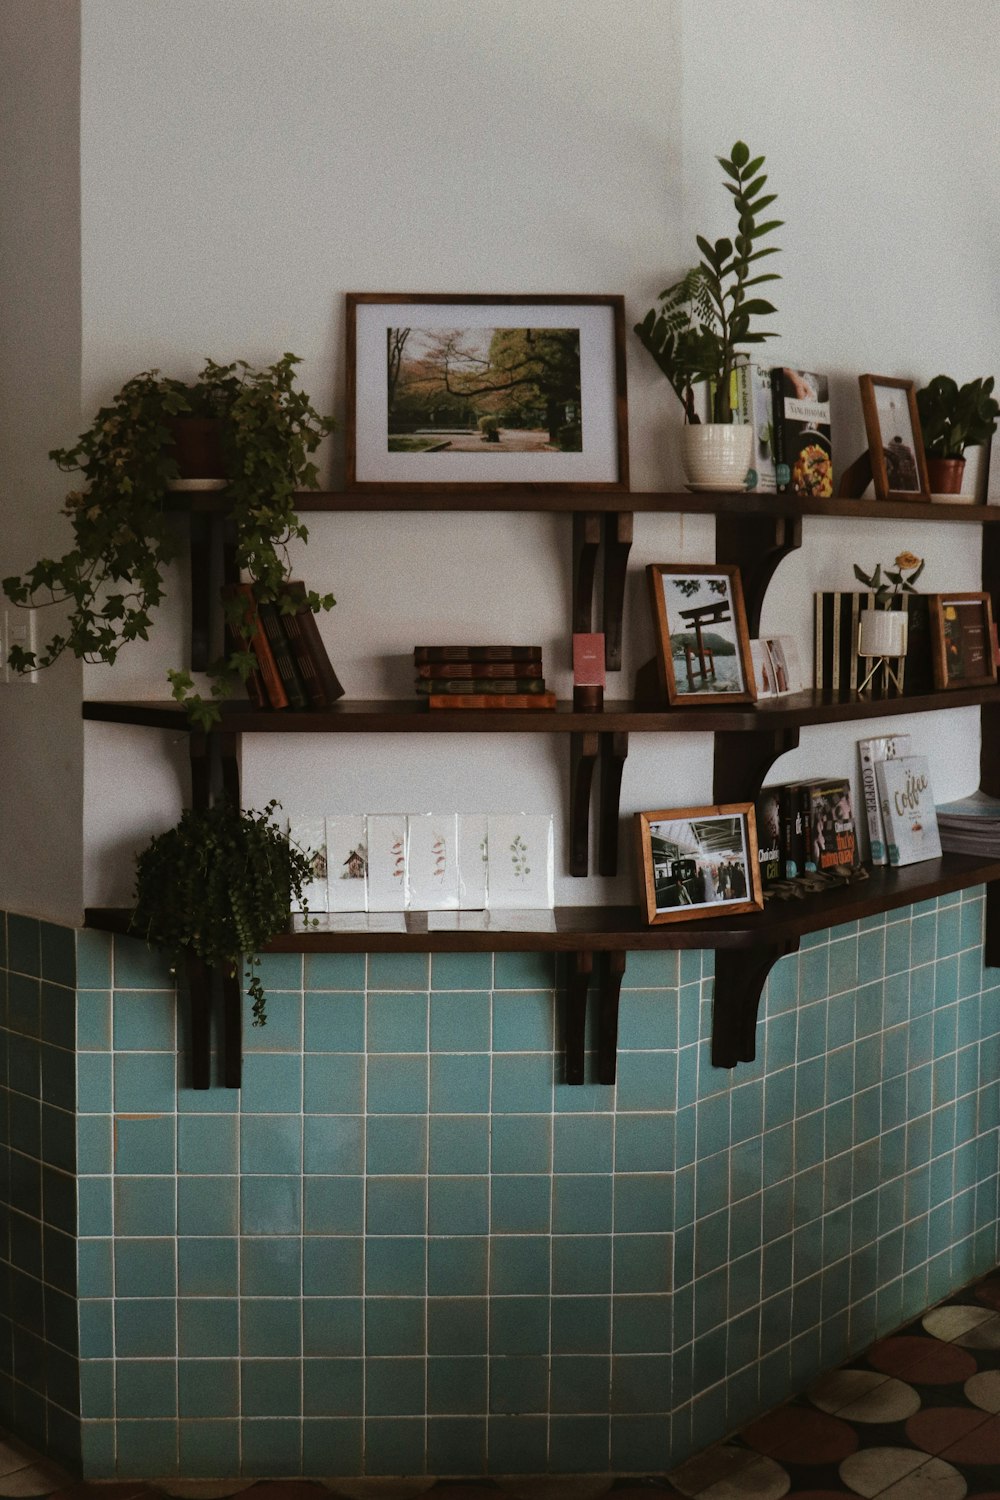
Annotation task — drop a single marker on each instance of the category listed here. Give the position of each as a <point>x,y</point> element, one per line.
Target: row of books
<point>805,827</point>
<point>789,411</point>
<point>481,677</point>
<point>899,802</point>
<point>837,663</point>
<point>293,669</point>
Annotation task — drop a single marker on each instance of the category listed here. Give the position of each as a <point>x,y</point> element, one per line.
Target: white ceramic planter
<point>882,632</point>
<point>716,455</point>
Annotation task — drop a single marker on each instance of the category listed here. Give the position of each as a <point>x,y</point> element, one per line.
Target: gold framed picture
<point>702,640</point>
<point>962,640</point>
<point>895,442</point>
<point>698,861</point>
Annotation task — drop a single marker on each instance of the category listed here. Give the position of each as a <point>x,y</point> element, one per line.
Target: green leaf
<point>752,188</point>
<point>767,276</point>
<point>707,249</point>
<point>757,307</point>
<point>753,166</point>
<point>740,155</point>
<point>766,228</point>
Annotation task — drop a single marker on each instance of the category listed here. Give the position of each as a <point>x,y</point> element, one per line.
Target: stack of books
<point>481,677</point>
<point>293,669</point>
<point>806,828</point>
<point>971,825</point>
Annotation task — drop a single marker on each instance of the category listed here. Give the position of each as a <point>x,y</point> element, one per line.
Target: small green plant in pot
<point>705,320</point>
<point>220,884</point>
<point>952,419</point>
<point>111,579</point>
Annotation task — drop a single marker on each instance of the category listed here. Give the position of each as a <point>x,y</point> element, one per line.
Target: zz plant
<point>111,579</point>
<point>704,319</point>
<point>954,417</point>
<point>219,884</point>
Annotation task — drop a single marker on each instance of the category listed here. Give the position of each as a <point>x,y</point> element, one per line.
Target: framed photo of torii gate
<point>702,640</point>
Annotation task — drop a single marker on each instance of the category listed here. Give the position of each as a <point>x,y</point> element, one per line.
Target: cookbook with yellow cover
<point>802,448</point>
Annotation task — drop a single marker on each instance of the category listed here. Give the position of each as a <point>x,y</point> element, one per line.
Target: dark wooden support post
<point>757,544</point>
<point>203,529</point>
<point>200,996</point>
<point>586,545</point>
<point>199,750</point>
<point>576,1015</point>
<point>232,1029</point>
<point>583,758</point>
<point>229,756</point>
<point>607,1016</point>
<point>740,976</point>
<point>742,764</point>
<point>617,545</point>
<point>614,752</point>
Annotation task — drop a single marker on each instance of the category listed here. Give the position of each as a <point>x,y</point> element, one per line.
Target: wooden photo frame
<point>895,442</point>
<point>698,862</point>
<point>962,640</point>
<point>702,640</point>
<point>477,391</point>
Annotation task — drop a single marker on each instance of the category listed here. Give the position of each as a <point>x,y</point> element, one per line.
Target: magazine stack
<point>971,825</point>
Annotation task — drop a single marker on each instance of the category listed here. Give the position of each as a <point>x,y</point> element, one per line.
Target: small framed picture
<point>698,861</point>
<point>470,391</point>
<point>962,640</point>
<point>702,641</point>
<point>895,444</point>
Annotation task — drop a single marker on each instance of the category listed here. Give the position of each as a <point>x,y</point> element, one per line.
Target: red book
<point>320,681</point>
<point>498,700</point>
<point>253,632</point>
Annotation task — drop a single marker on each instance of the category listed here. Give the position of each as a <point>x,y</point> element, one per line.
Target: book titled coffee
<point>908,810</point>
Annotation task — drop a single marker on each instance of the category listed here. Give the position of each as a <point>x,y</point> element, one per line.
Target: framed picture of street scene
<point>698,861</point>
<point>468,391</point>
<point>895,443</point>
<point>702,641</point>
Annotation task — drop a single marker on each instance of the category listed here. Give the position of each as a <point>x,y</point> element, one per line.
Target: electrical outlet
<point>19,629</point>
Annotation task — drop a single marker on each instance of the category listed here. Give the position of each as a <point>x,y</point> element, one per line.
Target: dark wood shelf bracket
<point>749,755</point>
<point>740,976</point>
<point>583,758</point>
<point>756,544</point>
<point>614,753</point>
<point>586,546</point>
<point>617,545</point>
<point>577,990</point>
<point>608,997</point>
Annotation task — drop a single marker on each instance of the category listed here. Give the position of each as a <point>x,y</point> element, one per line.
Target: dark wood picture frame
<point>884,488</point>
<point>684,879</point>
<point>946,644</point>
<point>665,628</point>
<point>611,451</point>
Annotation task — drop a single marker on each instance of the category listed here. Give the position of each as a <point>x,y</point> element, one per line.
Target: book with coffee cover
<point>908,810</point>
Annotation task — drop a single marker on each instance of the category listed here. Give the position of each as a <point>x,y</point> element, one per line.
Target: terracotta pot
<point>716,455</point>
<point>198,447</point>
<point>945,475</point>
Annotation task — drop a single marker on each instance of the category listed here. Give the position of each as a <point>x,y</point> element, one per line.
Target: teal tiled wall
<point>39,1371</point>
<point>407,1246</point>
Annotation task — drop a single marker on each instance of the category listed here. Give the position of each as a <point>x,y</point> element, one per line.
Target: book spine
<point>480,669</point>
<point>499,700</point>
<point>892,848</point>
<point>819,602</point>
<point>260,645</point>
<point>835,674</point>
<point>502,685</point>
<point>791,831</point>
<point>292,683</point>
<point>306,627</point>
<point>873,811</point>
<point>304,665</point>
<point>783,474</point>
<point>805,819</point>
<point>477,653</point>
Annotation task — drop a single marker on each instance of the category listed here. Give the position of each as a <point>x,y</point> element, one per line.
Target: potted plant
<point>220,885</point>
<point>703,322</point>
<point>883,631</point>
<point>265,431</point>
<point>952,419</point>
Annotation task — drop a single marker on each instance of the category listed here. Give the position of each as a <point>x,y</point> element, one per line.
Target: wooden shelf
<point>681,502</point>
<point>411,716</point>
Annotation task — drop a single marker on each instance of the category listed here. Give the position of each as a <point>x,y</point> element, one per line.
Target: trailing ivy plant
<point>111,580</point>
<point>220,884</point>
<point>704,319</point>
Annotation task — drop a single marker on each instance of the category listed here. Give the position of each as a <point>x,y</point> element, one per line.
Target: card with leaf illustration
<point>386,861</point>
<point>347,863</point>
<point>472,860</point>
<point>520,861</point>
<point>309,835</point>
<point>432,862</point>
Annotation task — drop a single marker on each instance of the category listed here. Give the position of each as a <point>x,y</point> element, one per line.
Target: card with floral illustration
<point>432,862</point>
<point>520,862</point>
<point>309,835</point>
<point>472,860</point>
<point>386,861</point>
<point>346,863</point>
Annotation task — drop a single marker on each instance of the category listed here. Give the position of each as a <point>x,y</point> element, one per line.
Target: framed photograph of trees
<point>470,391</point>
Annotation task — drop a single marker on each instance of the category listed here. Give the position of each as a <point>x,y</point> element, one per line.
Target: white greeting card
<point>346,863</point>
<point>472,860</point>
<point>432,862</point>
<point>309,835</point>
<point>520,862</point>
<point>386,862</point>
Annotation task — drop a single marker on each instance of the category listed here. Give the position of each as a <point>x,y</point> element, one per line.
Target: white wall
<point>41,734</point>
<point>246,163</point>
